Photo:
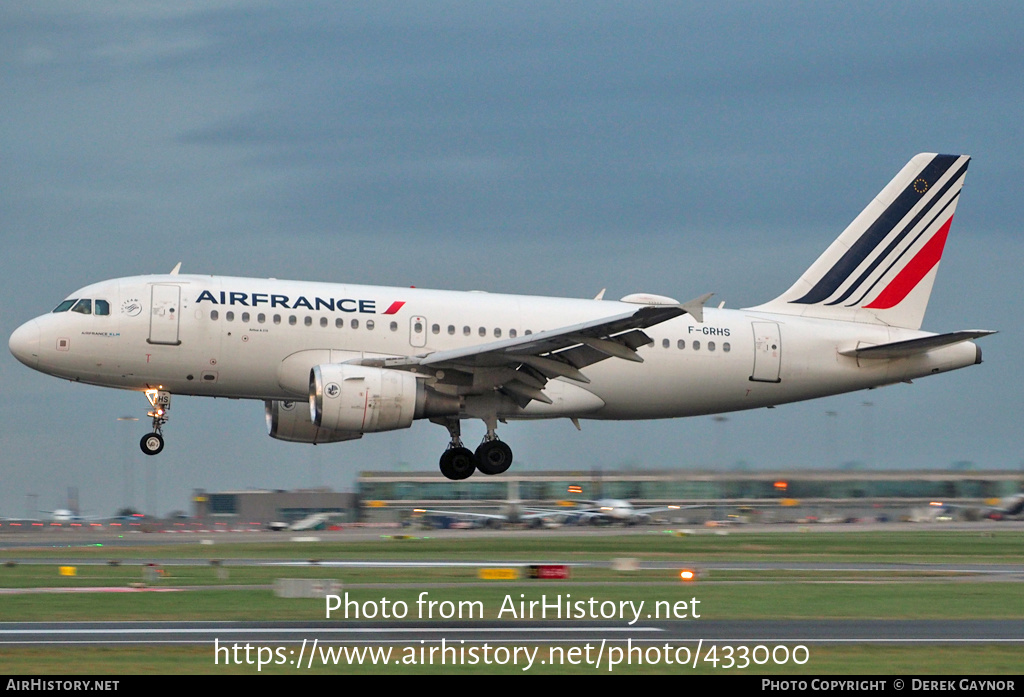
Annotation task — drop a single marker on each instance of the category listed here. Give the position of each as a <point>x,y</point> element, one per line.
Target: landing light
<point>687,575</point>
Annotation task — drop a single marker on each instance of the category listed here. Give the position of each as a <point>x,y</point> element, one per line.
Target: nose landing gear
<point>160,400</point>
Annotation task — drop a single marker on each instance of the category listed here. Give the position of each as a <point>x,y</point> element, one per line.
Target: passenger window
<point>497,332</point>
<point>292,320</point>
<point>245,316</point>
<point>435,329</point>
<point>83,306</point>
<point>466,331</point>
<point>339,323</point>
<point>483,331</point>
<point>261,318</point>
<point>451,330</point>
<point>711,346</point>
<point>308,321</point>
<point>512,333</point>
<point>229,316</point>
<point>355,324</point>
<point>696,346</point>
<point>65,306</point>
<point>726,347</point>
<point>323,321</point>
<point>370,325</point>
<point>681,344</point>
<point>277,319</point>
<point>102,307</point>
<point>214,315</point>
<point>665,343</point>
<point>394,326</point>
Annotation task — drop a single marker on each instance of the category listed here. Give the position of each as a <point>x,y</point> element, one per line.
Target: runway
<point>75,537</point>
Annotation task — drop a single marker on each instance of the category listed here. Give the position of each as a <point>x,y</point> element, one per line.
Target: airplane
<point>65,515</point>
<point>332,362</point>
<point>620,511</point>
<point>512,510</point>
<point>1008,508</point>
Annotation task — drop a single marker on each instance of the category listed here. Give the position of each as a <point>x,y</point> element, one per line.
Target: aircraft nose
<point>24,343</point>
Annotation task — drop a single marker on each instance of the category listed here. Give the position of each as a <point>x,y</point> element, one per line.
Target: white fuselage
<point>258,339</point>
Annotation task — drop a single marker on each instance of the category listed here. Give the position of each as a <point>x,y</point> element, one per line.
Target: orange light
<point>781,485</point>
<point>687,575</point>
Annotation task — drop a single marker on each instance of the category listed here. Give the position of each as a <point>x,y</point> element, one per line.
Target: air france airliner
<point>332,362</point>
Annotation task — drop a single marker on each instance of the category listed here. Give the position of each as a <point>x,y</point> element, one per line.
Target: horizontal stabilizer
<point>900,349</point>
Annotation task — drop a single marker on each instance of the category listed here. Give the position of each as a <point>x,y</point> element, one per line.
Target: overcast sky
<point>538,148</point>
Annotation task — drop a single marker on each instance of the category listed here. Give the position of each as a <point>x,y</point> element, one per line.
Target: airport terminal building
<point>768,496</point>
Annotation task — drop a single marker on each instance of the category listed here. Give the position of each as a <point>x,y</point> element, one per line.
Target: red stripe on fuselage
<point>395,307</point>
<point>911,274</point>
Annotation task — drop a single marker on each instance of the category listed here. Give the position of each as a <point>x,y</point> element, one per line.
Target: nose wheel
<point>152,443</point>
<point>160,400</point>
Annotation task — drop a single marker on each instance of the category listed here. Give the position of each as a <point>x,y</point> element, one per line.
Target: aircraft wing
<point>523,365</point>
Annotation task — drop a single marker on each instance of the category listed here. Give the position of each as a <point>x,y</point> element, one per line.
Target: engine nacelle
<point>290,421</point>
<point>347,397</point>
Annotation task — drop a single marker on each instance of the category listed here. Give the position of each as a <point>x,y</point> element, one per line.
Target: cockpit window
<point>101,307</point>
<point>65,306</point>
<point>84,306</point>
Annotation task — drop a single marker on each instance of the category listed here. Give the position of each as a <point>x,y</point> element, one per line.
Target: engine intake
<point>289,421</point>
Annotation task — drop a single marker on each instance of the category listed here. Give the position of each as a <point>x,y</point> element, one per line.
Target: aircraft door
<point>165,308</point>
<point>418,331</point>
<point>767,352</point>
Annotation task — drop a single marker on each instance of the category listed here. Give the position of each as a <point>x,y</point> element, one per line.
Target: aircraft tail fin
<point>881,268</point>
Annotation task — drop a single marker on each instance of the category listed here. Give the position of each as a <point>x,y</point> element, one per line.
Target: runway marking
<point>547,641</point>
<point>87,589</point>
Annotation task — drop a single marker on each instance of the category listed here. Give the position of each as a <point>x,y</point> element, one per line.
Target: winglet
<point>176,269</point>
<point>695,307</point>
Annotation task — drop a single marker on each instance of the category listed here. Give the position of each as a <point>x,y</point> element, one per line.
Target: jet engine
<point>290,421</point>
<point>345,397</point>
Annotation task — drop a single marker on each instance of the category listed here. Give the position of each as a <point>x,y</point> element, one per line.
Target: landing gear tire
<point>458,463</point>
<point>152,443</point>
<point>493,457</point>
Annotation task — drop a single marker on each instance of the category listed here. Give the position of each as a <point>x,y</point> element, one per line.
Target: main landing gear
<point>160,400</point>
<point>492,456</point>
